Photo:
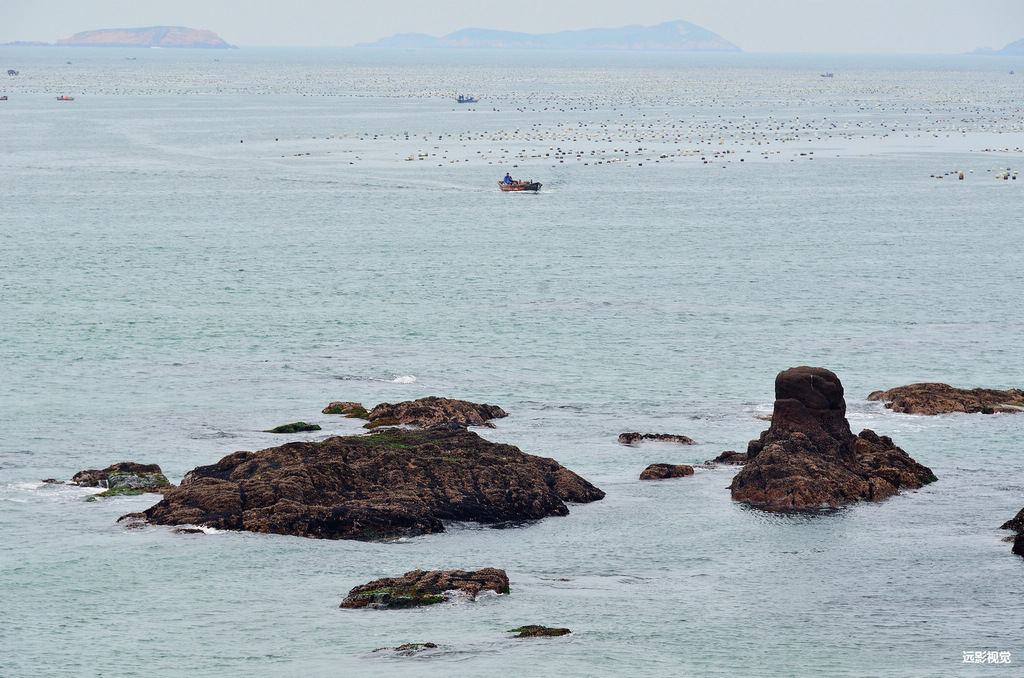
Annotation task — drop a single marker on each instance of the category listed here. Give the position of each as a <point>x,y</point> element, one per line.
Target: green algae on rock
<point>535,631</point>
<point>418,588</point>
<point>295,427</point>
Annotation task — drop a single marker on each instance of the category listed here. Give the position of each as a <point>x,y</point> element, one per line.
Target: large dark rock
<point>808,457</point>
<point>433,410</point>
<point>663,471</point>
<point>729,457</point>
<point>125,475</point>
<point>418,588</point>
<point>934,398</point>
<point>1017,525</point>
<point>396,482</point>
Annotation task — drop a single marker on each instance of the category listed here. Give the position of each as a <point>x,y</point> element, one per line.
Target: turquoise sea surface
<point>204,245</point>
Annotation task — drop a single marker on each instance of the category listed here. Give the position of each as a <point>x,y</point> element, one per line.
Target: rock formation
<point>634,438</point>
<point>808,457</point>
<point>433,410</point>
<point>418,588</point>
<point>350,410</point>
<point>423,412</point>
<point>294,427</point>
<point>934,398</point>
<point>662,471</point>
<point>535,631</point>
<point>125,475</point>
<point>1017,525</point>
<point>729,457</point>
<point>395,482</point>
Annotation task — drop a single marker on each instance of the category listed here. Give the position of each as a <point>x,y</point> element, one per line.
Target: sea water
<point>204,245</point>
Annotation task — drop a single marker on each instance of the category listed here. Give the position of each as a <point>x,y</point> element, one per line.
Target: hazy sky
<point>889,26</point>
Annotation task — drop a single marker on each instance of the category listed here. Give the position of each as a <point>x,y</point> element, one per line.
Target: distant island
<point>1013,49</point>
<point>671,36</point>
<point>154,36</point>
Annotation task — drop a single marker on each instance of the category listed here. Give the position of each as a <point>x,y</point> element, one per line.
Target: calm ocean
<point>204,245</point>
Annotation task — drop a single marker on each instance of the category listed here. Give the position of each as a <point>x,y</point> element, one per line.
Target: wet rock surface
<point>536,631</point>
<point>935,398</point>
<point>348,409</point>
<point>808,457</point>
<point>393,483</point>
<point>1017,525</point>
<point>125,477</point>
<point>433,410</point>
<point>729,457</point>
<point>634,438</point>
<point>294,427</point>
<point>662,471</point>
<point>418,588</point>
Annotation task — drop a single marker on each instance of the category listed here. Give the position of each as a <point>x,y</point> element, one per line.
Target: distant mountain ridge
<point>153,36</point>
<point>1013,49</point>
<point>670,36</point>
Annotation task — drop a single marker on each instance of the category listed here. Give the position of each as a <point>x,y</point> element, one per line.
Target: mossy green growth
<point>402,439</point>
<point>534,631</point>
<point>117,492</point>
<point>397,598</point>
<point>928,479</point>
<point>294,427</point>
<point>383,421</point>
<point>359,413</point>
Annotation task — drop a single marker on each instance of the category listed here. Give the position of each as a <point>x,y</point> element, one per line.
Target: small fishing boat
<point>3,97</point>
<point>65,97</point>
<point>463,99</point>
<point>520,186</point>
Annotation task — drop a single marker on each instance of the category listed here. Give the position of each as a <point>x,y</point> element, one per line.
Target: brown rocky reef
<point>729,457</point>
<point>124,478</point>
<point>808,457</point>
<point>1017,525</point>
<point>422,412</point>
<point>634,437</point>
<point>418,588</point>
<point>662,471</point>
<point>395,482</point>
<point>934,398</point>
<point>537,631</point>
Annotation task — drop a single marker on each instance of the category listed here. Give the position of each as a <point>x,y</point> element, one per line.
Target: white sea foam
<point>408,379</point>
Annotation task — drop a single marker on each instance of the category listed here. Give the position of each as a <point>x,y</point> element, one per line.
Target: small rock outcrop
<point>295,427</point>
<point>808,457</point>
<point>1017,525</point>
<point>535,631</point>
<point>350,410</point>
<point>418,588</point>
<point>935,398</point>
<point>433,410</point>
<point>124,478</point>
<point>408,649</point>
<point>634,438</point>
<point>662,471</point>
<point>392,483</point>
<point>729,457</point>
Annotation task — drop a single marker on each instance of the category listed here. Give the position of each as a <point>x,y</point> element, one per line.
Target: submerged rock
<point>393,483</point>
<point>535,631</point>
<point>1017,525</point>
<point>408,649</point>
<point>662,471</point>
<point>296,427</point>
<point>418,588</point>
<point>123,478</point>
<point>432,410</point>
<point>808,457</point>
<point>935,398</point>
<point>634,438</point>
